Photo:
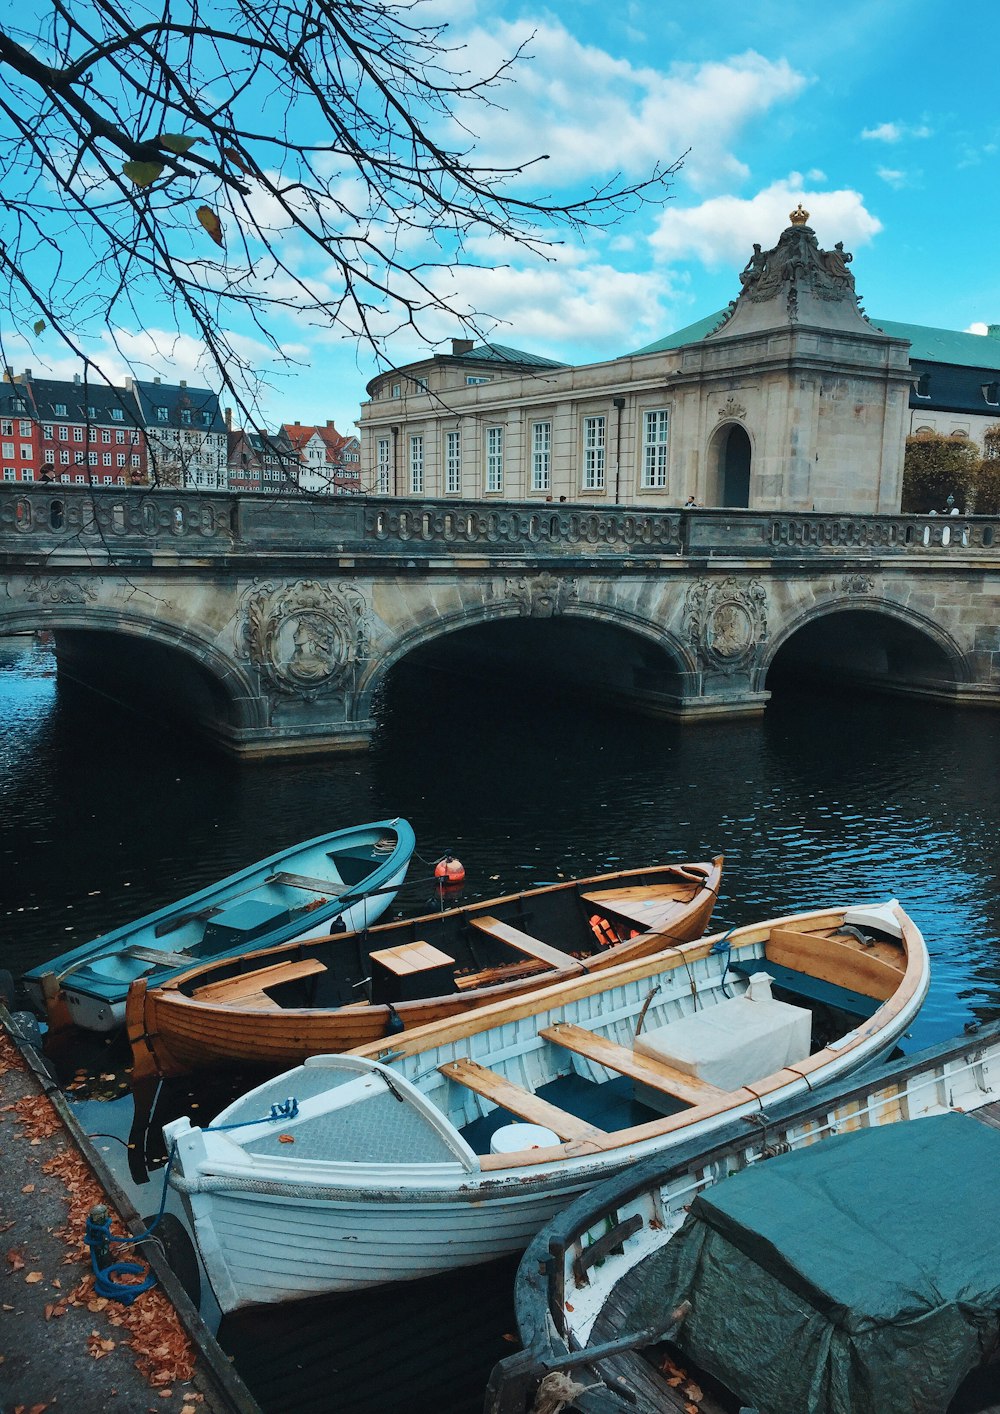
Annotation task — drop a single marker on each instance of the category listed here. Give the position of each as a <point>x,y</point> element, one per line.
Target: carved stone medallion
<point>540,597</point>
<point>305,637</point>
<point>60,590</point>
<point>726,620</point>
<point>857,584</point>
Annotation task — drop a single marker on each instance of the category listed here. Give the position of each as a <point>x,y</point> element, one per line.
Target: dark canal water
<point>826,799</point>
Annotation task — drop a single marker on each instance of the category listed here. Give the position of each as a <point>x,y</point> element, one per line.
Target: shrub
<point>937,467</point>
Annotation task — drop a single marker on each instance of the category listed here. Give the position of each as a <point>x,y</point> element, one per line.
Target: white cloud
<point>721,231</point>
<point>594,115</point>
<point>893,177</point>
<point>895,132</point>
<point>978,328</point>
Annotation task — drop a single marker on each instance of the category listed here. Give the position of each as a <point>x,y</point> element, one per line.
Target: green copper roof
<point>927,344</point>
<point>945,345</point>
<point>689,335</point>
<point>500,353</point>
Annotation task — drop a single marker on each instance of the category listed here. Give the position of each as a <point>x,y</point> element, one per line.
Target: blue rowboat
<point>344,880</point>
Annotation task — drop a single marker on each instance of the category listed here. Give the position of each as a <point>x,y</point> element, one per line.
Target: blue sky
<point>881,117</point>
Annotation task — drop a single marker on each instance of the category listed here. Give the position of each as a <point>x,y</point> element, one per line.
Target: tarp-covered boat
<point>453,1143</point>
<point>344,879</point>
<point>840,1256</point>
<point>276,1007</point>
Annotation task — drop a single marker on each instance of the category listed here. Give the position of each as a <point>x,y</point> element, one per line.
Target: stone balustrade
<point>62,516</point>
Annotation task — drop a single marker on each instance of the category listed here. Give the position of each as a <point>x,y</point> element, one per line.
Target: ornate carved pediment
<point>726,621</point>
<point>540,597</point>
<point>304,637</point>
<point>795,281</point>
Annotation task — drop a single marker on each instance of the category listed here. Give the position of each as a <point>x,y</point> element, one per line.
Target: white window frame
<point>383,466</point>
<point>541,456</point>
<point>595,432</point>
<point>416,464</point>
<point>453,463</point>
<point>655,449</point>
<point>494,460</point>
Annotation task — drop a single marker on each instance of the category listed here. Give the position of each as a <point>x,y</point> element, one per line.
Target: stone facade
<point>794,402</point>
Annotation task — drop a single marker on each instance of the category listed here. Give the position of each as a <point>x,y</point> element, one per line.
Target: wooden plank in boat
<point>520,1102</point>
<point>408,958</point>
<point>830,960</point>
<point>523,942</point>
<point>656,1074</point>
<point>248,984</point>
<point>492,976</point>
<point>303,881</point>
<point>646,907</point>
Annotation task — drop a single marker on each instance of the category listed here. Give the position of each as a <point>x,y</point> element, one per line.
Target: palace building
<point>792,398</point>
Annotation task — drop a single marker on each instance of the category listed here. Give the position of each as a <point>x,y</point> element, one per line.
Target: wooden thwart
<point>523,942</point>
<point>249,984</point>
<point>656,1074</point>
<point>303,881</point>
<point>520,1102</point>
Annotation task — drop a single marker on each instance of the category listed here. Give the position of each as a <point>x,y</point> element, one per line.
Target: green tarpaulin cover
<point>858,1276</point>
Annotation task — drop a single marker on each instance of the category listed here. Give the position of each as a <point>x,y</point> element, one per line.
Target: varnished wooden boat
<point>596,1305</point>
<point>331,994</point>
<point>454,1143</point>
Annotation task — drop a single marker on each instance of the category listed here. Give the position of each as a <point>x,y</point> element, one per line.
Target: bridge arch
<point>868,640</point>
<point>630,656</point>
<point>197,679</point>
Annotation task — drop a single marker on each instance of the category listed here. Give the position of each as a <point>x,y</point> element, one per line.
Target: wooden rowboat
<point>595,1302</point>
<point>347,878</point>
<point>454,1143</point>
<point>276,1007</point>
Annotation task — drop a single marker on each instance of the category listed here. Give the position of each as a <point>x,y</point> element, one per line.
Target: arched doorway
<point>734,466</point>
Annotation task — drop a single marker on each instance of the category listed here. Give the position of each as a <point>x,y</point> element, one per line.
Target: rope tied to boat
<point>724,946</point>
<point>100,1239</point>
<point>282,1109</point>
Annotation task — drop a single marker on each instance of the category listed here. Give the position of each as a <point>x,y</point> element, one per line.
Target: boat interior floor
<point>608,1106</point>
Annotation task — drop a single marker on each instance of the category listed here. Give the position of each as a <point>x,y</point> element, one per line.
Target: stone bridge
<point>271,623</point>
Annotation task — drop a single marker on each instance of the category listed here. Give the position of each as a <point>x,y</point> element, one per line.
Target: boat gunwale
<point>573,1160</point>
<point>175,982</point>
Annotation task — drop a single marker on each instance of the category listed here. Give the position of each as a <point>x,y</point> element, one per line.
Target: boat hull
<point>274,1228</point>
<point>268,903</point>
<point>564,1292</point>
<point>174,1029</point>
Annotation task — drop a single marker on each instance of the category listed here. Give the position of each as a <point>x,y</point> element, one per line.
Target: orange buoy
<point>449,872</point>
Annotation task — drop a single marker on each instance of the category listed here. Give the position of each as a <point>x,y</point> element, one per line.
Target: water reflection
<point>104,816</point>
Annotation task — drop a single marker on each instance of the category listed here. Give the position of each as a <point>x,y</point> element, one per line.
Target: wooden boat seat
<point>303,881</point>
<point>812,989</point>
<point>636,906</point>
<point>525,943</point>
<point>249,987</point>
<point>648,1071</point>
<point>518,1101</point>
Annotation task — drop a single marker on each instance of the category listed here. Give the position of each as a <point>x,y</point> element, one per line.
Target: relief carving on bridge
<point>60,590</point>
<point>726,621</point>
<point>306,637</point>
<point>540,597</point>
<point>857,583</point>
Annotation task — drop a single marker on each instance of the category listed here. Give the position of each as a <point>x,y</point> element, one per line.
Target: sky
<point>880,116</point>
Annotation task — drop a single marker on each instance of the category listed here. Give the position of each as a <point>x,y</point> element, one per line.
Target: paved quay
<point>62,1345</point>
